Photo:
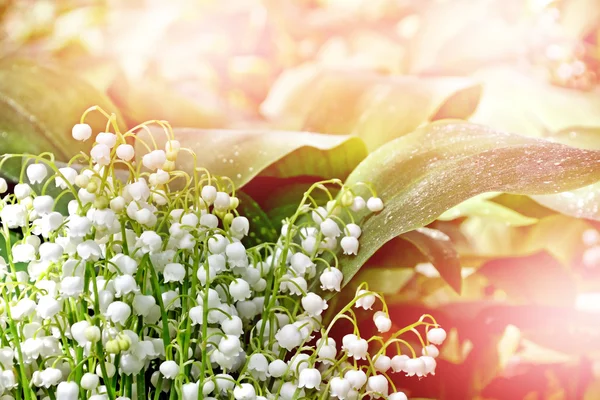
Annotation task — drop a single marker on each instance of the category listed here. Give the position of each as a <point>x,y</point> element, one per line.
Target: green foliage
<point>38,108</point>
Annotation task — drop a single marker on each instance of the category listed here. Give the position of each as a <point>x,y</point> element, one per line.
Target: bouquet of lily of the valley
<point>145,286</point>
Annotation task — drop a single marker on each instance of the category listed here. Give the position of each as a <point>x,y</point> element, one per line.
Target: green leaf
<point>438,248</point>
<point>261,229</point>
<point>242,155</point>
<point>38,108</point>
<point>480,206</point>
<point>583,202</point>
<point>374,107</point>
<point>154,99</point>
<point>423,174</point>
<point>537,108</point>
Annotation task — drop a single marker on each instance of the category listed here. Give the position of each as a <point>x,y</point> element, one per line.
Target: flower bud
<point>374,204</point>
<point>89,381</point>
<point>107,138</point>
<point>125,152</point>
<point>81,132</point>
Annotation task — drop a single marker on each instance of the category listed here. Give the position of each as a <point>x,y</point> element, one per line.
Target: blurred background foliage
<point>278,94</point>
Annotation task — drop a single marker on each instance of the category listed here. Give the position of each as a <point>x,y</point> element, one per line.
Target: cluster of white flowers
<point>144,291</point>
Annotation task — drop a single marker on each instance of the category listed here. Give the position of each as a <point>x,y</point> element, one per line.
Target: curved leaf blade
<point>374,107</point>
<point>242,155</point>
<point>38,108</point>
<point>423,174</point>
<point>438,248</point>
<point>480,206</point>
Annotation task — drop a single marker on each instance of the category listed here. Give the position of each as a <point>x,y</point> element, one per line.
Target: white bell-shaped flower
<point>430,350</point>
<point>399,362</point>
<point>357,378</point>
<point>365,299</point>
<point>414,366</point>
<point>190,391</point>
<point>239,289</point>
<point>68,176</point>
<point>355,346</point>
<point>100,154</point>
<point>378,384</point>
<point>142,304</point>
<point>169,369</point>
<point>397,396</point>
<point>47,307</point>
<point>382,363</point>
<point>208,194</point>
<point>436,335</point>
<point>330,228</point>
<point>382,321</point>
<point>89,250</point>
<point>289,337</point>
<point>314,304</point>
<point>245,391</point>
<point>349,245</point>
<point>277,368</point>
<point>118,312</point>
<point>89,381</point>
<point>310,378</point>
<point>339,388</point>
<point>23,252</point>
<point>154,160</point>
<point>430,365</point>
<point>258,366</point>
<point>174,272</point>
<point>240,226</point>
<point>22,191</point>
<point>149,242</point>
<point>36,173</point>
<point>125,284</point>
<point>106,138</point>
<point>14,215</point>
<point>331,279</point>
<point>67,391</point>
<point>222,201</point>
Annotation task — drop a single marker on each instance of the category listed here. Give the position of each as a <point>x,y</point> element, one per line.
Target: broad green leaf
<point>480,206</point>
<point>39,106</point>
<point>583,202</point>
<point>438,248</point>
<point>559,235</point>
<point>154,99</point>
<point>423,174</point>
<point>517,102</point>
<point>242,155</point>
<point>261,229</point>
<point>377,108</point>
